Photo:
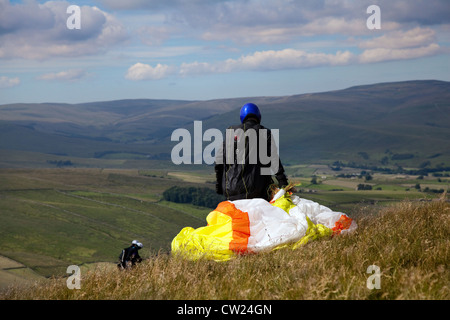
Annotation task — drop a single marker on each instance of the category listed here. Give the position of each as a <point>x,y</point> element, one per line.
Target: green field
<point>53,218</point>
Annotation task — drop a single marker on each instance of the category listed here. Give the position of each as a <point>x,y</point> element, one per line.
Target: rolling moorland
<point>78,182</point>
<point>403,123</point>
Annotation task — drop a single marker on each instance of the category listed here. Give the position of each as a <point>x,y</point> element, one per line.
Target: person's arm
<point>138,257</point>
<point>219,174</point>
<point>218,168</point>
<point>281,176</point>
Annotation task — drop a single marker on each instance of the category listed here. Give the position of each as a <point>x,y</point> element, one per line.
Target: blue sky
<point>204,49</point>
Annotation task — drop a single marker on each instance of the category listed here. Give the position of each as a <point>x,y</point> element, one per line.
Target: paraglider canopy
<point>256,225</point>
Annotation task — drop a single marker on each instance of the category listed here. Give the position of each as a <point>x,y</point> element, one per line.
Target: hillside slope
<point>409,243</point>
<point>378,121</point>
<point>53,218</point>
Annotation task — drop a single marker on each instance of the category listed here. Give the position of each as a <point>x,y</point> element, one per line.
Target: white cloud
<point>69,75</point>
<point>39,31</point>
<point>269,60</point>
<point>400,45</point>
<point>280,21</point>
<point>334,25</point>
<point>387,54</point>
<point>416,37</point>
<point>299,24</point>
<point>252,21</point>
<point>289,58</point>
<point>141,71</point>
<point>272,60</point>
<point>6,82</point>
<point>266,34</point>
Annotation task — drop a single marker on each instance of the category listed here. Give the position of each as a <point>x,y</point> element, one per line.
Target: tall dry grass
<point>409,242</point>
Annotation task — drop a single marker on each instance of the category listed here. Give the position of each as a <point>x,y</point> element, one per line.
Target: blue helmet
<point>250,109</point>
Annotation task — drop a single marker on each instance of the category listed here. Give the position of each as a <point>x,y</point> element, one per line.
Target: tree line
<point>204,197</point>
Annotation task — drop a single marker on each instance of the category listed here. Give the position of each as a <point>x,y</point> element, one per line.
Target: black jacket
<point>129,254</point>
<point>244,180</point>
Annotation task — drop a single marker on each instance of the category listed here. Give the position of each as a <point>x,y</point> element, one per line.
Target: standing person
<point>129,256</point>
<point>242,178</point>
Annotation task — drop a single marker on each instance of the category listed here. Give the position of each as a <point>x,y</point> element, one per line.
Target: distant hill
<point>404,123</point>
<point>360,123</point>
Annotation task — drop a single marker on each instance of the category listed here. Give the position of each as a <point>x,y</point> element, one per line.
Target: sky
<point>214,49</point>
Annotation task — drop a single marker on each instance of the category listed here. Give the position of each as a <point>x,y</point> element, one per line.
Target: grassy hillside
<point>52,218</point>
<point>409,242</point>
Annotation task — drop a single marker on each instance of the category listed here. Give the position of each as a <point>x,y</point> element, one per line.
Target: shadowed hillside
<point>377,120</point>
<point>382,120</point>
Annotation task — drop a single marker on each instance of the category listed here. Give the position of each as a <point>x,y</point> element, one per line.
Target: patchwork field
<point>52,218</point>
